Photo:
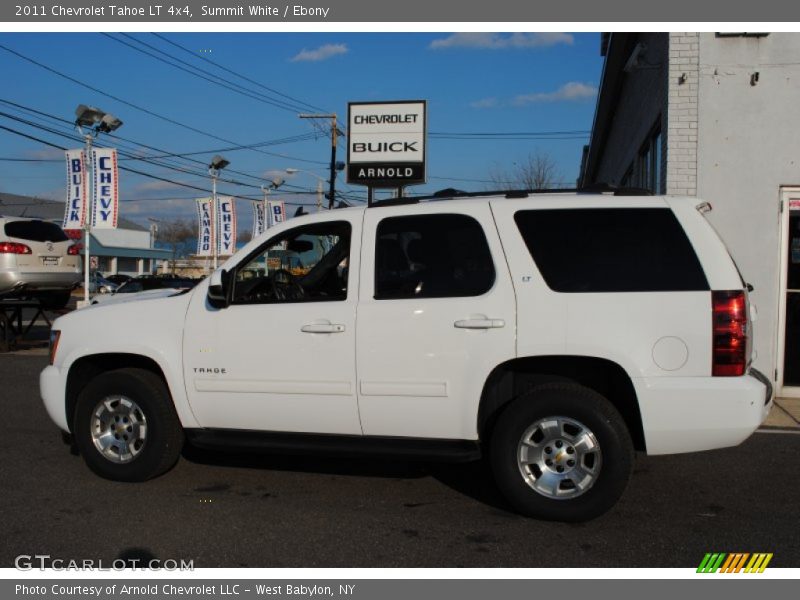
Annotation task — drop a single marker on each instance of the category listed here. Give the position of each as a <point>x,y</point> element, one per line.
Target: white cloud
<point>154,186</point>
<point>45,154</point>
<point>497,41</point>
<point>574,91</point>
<point>322,53</point>
<point>484,103</point>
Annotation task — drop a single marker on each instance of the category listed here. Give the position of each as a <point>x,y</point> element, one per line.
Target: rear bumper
<point>13,280</point>
<point>689,414</point>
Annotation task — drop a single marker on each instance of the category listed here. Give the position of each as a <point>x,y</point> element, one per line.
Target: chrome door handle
<point>480,323</point>
<point>322,328</point>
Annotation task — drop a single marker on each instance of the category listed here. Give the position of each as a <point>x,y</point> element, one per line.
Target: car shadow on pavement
<point>472,479</point>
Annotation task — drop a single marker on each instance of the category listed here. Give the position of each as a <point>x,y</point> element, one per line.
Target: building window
<point>646,171</point>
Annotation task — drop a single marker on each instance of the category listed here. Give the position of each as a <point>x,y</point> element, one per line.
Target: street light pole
<point>214,174</point>
<point>87,226</point>
<point>217,164</point>
<point>320,182</point>
<point>98,121</point>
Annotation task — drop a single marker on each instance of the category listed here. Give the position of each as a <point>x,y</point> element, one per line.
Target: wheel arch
<point>85,368</point>
<point>513,378</point>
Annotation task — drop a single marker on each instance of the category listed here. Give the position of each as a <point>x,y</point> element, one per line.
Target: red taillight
<point>13,248</point>
<point>75,249</point>
<point>731,333</point>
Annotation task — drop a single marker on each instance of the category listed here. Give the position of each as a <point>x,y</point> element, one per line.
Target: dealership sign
<point>386,143</point>
<point>75,213</point>
<point>277,212</point>
<point>105,211</point>
<point>259,219</point>
<point>205,221</point>
<point>226,217</point>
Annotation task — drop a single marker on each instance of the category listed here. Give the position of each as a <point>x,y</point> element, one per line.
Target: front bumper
<point>52,387</point>
<point>689,414</point>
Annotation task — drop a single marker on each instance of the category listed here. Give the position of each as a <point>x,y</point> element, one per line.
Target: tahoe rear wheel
<point>125,425</point>
<point>561,452</point>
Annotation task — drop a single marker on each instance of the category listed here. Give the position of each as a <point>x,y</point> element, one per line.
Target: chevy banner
<point>259,219</point>
<point>206,229</point>
<point>75,213</point>
<point>105,211</point>
<point>277,212</point>
<point>226,217</point>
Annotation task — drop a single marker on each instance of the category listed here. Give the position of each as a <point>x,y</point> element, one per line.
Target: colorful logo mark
<point>720,562</point>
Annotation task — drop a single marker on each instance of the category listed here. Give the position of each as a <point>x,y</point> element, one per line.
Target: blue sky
<point>485,83</point>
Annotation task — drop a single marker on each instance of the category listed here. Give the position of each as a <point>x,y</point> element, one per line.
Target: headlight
<point>55,335</point>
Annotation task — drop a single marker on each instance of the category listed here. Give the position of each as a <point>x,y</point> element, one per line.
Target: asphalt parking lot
<point>254,511</point>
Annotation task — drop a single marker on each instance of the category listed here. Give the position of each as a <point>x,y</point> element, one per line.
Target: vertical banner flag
<point>106,188</point>
<point>205,232</point>
<point>259,223</point>
<point>226,217</point>
<point>75,213</point>
<point>277,212</point>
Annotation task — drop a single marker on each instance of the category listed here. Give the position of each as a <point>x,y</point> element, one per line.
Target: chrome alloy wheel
<point>118,428</point>
<point>559,457</point>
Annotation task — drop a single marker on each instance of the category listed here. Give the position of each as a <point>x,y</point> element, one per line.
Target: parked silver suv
<point>37,260</point>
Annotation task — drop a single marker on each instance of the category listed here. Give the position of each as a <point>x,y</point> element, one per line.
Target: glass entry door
<point>791,354</point>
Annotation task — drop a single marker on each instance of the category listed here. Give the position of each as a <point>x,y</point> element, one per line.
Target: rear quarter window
<point>611,250</point>
<point>35,231</point>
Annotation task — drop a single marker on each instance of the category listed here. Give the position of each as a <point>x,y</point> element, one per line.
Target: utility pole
<point>334,131</point>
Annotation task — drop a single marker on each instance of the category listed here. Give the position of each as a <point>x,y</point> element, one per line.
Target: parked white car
<point>38,261</point>
<point>557,333</point>
<point>145,287</point>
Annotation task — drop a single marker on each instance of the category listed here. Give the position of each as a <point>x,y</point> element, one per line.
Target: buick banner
<point>75,213</point>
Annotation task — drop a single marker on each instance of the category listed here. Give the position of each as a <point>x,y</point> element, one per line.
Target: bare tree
<point>537,172</point>
<point>175,235</point>
<point>244,236</point>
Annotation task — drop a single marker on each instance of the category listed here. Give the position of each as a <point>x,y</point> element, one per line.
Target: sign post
<point>386,144</point>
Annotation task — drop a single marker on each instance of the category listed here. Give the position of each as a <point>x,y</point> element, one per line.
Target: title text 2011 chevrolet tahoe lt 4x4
<point>555,334</point>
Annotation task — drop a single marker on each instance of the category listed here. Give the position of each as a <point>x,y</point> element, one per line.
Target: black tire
<point>163,442</point>
<point>54,300</point>
<point>578,403</point>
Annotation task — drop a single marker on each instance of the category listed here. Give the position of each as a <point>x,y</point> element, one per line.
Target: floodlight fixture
<point>93,117</point>
<point>219,162</point>
<point>109,123</point>
<point>88,116</point>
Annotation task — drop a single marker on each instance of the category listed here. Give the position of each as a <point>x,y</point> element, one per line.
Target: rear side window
<point>35,231</point>
<point>611,250</point>
<point>431,256</point>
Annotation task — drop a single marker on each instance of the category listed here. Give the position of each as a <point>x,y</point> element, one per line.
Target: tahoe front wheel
<point>561,452</point>
<point>125,425</point>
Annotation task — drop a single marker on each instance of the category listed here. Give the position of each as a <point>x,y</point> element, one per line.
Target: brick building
<point>715,116</point>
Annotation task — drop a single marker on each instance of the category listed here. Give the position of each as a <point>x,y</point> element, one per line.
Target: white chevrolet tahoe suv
<point>555,334</point>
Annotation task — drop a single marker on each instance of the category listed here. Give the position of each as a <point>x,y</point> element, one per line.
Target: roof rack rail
<point>601,187</point>
<point>450,193</point>
<point>393,202</point>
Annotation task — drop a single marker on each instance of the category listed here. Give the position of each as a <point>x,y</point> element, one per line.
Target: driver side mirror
<point>218,288</point>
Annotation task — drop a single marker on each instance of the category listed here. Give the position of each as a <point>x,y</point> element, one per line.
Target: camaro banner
<point>226,217</point>
<point>205,222</point>
<point>106,188</point>
<point>259,219</point>
<point>75,213</point>
<point>277,212</point>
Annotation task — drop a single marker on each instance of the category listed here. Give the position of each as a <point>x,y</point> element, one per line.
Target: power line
<point>151,176</point>
<point>224,83</point>
<point>71,135</point>
<point>232,72</point>
<point>142,109</point>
